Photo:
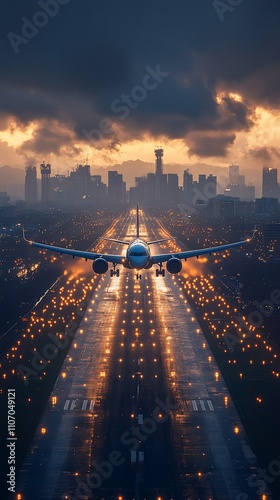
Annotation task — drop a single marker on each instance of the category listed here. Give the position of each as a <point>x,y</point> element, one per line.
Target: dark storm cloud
<point>26,104</point>
<point>48,139</point>
<point>210,144</point>
<point>88,55</point>
<point>265,154</point>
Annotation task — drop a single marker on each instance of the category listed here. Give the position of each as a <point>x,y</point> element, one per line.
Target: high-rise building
<point>80,183</point>
<point>151,188</point>
<point>31,191</point>
<point>234,174</point>
<point>163,189</point>
<point>45,186</point>
<point>188,187</point>
<point>116,187</point>
<point>159,172</point>
<point>58,191</point>
<point>140,183</point>
<point>202,182</point>
<point>248,193</point>
<point>211,186</point>
<point>173,187</point>
<point>222,206</point>
<point>138,194</point>
<point>236,187</point>
<point>98,190</point>
<point>266,206</point>
<point>270,184</point>
<point>196,192</point>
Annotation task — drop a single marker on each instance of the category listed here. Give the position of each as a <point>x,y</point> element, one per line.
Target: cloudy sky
<point>110,80</point>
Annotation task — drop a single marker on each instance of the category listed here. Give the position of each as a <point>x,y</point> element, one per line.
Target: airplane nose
<point>140,262</point>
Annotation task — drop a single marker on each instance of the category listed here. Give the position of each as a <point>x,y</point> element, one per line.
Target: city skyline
<point>226,196</point>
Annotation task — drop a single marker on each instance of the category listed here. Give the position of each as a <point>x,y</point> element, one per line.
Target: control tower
<point>159,172</point>
<point>159,155</point>
<point>46,184</point>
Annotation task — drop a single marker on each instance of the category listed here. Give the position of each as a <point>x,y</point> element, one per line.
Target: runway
<point>140,409</point>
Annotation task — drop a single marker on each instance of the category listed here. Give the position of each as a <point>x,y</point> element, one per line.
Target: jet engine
<point>174,265</point>
<point>100,266</point>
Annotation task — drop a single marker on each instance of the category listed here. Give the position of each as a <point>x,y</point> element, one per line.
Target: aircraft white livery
<point>138,255</point>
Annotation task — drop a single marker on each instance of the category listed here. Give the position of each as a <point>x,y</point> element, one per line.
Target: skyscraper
<point>270,184</point>
<point>80,182</point>
<point>234,174</point>
<point>188,187</point>
<point>211,186</point>
<point>31,191</point>
<point>116,187</point>
<point>236,187</point>
<point>46,186</point>
<point>151,187</point>
<point>173,187</point>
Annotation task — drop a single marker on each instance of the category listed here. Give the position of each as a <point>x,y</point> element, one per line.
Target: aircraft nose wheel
<point>114,272</point>
<point>138,276</point>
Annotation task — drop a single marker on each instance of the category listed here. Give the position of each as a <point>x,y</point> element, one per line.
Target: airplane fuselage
<point>138,254</point>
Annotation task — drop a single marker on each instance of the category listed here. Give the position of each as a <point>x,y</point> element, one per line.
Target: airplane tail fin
<point>137,222</point>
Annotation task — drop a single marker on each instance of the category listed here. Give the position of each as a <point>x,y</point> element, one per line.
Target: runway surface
<point>140,409</point>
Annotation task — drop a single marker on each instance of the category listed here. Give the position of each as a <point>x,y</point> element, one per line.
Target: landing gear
<point>138,276</point>
<point>114,272</point>
<point>160,271</point>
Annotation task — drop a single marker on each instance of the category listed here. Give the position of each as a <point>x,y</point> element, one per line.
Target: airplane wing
<point>160,241</point>
<point>157,259</point>
<point>115,241</point>
<point>115,259</point>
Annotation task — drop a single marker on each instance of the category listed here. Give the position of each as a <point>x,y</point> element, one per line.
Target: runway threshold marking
<point>202,405</point>
<point>76,404</point>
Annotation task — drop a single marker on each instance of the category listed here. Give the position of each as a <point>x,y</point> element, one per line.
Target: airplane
<point>138,255</point>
